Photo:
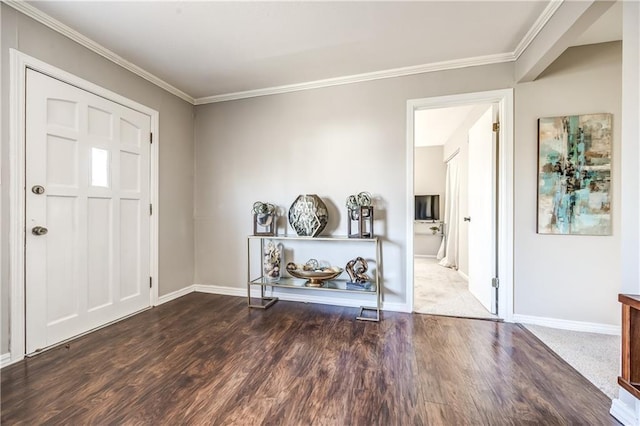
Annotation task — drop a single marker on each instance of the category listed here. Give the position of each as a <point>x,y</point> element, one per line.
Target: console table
<point>335,285</point>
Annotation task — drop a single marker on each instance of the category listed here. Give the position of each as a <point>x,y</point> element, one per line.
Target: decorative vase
<point>354,213</point>
<point>264,218</point>
<point>360,211</point>
<point>362,219</point>
<point>272,261</point>
<point>308,215</point>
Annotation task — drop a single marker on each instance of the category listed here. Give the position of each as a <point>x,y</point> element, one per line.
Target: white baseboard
<point>337,301</point>
<point>175,294</point>
<point>206,288</point>
<point>301,297</point>
<point>587,327</point>
<point>282,295</point>
<point>396,307</point>
<point>225,291</point>
<point>217,289</point>
<point>425,256</point>
<point>463,275</point>
<point>623,413</point>
<point>5,359</point>
<point>323,300</point>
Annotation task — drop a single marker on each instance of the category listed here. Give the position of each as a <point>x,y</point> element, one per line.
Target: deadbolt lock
<point>37,189</point>
<point>39,230</point>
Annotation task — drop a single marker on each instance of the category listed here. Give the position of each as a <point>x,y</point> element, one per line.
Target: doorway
<point>455,262</point>
<point>87,192</point>
<point>459,261</point>
<point>83,178</point>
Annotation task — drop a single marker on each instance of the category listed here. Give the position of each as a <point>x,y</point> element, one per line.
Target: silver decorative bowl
<point>316,277</point>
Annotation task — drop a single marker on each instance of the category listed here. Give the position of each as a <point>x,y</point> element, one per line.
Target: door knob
<point>39,230</point>
<point>467,219</point>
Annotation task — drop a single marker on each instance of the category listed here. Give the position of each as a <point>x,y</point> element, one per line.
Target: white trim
<point>396,307</point>
<point>5,359</point>
<point>154,199</point>
<point>54,24</point>
<point>282,295</point>
<point>338,301</point>
<point>453,154</point>
<point>533,32</point>
<point>19,62</point>
<point>410,166</point>
<point>562,324</point>
<point>79,38</point>
<point>504,98</point>
<point>623,413</point>
<point>175,294</point>
<point>298,297</point>
<point>358,78</point>
<point>463,275</point>
<point>16,204</point>
<point>323,300</point>
<point>225,291</point>
<point>425,256</point>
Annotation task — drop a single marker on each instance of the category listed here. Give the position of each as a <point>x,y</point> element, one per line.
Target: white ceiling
<point>213,48</point>
<point>434,127</point>
<point>206,48</point>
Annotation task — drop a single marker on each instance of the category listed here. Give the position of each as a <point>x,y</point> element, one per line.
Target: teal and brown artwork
<point>574,175</point>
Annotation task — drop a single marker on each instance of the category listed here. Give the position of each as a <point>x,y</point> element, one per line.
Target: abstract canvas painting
<point>574,175</point>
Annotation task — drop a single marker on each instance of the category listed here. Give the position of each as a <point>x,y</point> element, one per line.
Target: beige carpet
<point>442,291</point>
<point>595,356</point>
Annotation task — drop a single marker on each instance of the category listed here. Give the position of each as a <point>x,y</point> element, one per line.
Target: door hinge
<point>150,282</point>
<point>495,282</point>
<point>150,209</point>
<point>150,137</point>
<point>496,126</point>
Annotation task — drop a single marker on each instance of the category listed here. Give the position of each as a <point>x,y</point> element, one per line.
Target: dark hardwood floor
<point>207,359</point>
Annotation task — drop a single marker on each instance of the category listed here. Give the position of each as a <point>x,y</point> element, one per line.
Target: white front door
<point>87,187</point>
<point>482,209</point>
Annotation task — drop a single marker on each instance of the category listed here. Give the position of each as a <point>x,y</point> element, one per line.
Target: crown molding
<point>537,26</point>
<point>61,28</point>
<point>359,78</point>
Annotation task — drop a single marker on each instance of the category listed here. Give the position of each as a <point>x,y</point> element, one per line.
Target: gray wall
<point>430,173</point>
<point>567,277</point>
<point>332,141</point>
<point>176,144</point>
<point>339,140</point>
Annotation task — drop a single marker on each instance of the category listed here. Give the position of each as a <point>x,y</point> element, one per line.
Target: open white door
<point>482,209</point>
<point>87,211</point>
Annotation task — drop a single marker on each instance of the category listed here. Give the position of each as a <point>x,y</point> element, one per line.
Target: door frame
<point>504,99</point>
<point>19,62</point>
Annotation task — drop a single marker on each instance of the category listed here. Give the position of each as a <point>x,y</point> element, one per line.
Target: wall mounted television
<point>427,207</point>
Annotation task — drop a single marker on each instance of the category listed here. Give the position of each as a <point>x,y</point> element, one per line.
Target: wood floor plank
<point>207,359</point>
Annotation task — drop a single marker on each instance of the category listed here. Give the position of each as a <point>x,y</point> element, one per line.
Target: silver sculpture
<point>356,269</point>
<point>308,215</point>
